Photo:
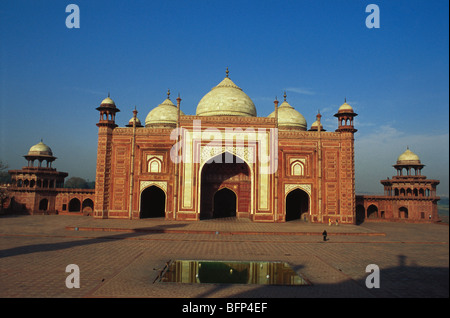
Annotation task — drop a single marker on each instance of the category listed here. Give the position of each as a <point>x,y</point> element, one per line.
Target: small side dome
<point>40,149</point>
<point>134,119</point>
<point>165,114</point>
<point>408,157</point>
<point>288,117</point>
<point>315,126</point>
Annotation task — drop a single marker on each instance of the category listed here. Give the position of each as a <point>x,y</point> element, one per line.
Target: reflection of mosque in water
<point>222,272</point>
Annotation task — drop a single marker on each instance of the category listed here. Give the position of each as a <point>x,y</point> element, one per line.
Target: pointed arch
<point>372,211</point>
<point>154,165</point>
<point>297,168</point>
<point>87,206</point>
<point>152,202</point>
<point>217,172</point>
<point>224,203</point>
<point>297,205</point>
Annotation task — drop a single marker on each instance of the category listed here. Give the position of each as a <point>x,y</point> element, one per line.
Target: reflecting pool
<point>231,272</point>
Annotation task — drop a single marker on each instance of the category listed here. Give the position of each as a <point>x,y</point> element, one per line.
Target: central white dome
<point>226,99</point>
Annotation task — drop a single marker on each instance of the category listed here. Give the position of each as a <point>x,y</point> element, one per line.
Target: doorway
<point>153,203</point>
<point>224,203</point>
<point>297,205</point>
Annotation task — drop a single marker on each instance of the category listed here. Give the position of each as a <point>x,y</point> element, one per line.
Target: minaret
<point>276,111</point>
<point>276,171</point>
<point>345,117</point>
<point>105,126</point>
<point>108,112</point>
<point>347,201</point>
<point>134,124</point>
<point>176,169</point>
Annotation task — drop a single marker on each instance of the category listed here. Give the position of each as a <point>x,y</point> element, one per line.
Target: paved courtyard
<point>122,258</point>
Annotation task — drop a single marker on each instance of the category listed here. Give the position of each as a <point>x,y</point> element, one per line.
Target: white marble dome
<point>226,99</point>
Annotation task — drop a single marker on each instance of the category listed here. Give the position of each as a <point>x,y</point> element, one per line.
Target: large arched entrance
<point>153,203</point>
<point>297,205</point>
<point>220,174</point>
<point>224,203</point>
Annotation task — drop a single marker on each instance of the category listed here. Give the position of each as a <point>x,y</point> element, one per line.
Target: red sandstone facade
<point>314,179</point>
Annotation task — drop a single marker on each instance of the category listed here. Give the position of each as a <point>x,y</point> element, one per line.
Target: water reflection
<point>228,272</point>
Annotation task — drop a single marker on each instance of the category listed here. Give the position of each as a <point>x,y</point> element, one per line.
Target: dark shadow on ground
<point>82,241</point>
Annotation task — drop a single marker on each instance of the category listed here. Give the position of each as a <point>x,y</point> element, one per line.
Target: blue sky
<point>320,51</point>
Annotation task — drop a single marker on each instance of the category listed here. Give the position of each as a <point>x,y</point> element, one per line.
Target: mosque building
<point>225,161</point>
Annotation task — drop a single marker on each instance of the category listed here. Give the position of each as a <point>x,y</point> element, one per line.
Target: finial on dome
<point>108,94</point>
<point>345,99</point>
<point>168,94</point>
<point>226,72</point>
<point>284,95</point>
<point>318,116</point>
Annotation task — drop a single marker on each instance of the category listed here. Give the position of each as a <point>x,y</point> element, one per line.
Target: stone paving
<point>122,258</point>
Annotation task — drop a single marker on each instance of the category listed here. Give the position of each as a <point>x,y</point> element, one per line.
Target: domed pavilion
<point>408,196</point>
<point>38,188</point>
